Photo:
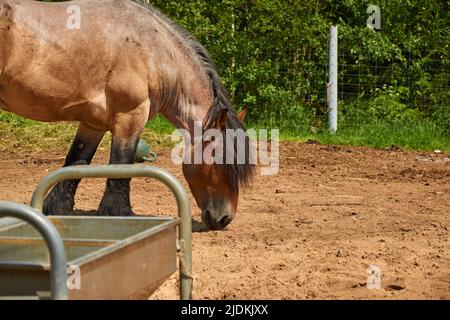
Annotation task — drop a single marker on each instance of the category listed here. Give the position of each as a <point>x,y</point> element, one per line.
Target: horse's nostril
<point>225,221</point>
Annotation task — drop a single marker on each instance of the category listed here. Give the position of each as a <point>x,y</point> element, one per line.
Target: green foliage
<point>272,55</point>
<point>385,107</point>
<point>442,118</point>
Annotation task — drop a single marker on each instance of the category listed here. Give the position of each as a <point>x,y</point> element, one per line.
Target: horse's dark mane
<point>240,173</point>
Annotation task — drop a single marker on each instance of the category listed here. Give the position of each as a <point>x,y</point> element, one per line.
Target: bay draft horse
<point>125,63</point>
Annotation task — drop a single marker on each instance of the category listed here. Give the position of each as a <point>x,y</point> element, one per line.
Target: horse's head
<point>215,186</point>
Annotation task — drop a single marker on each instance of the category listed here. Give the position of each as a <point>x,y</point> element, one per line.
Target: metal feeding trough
<point>113,257</point>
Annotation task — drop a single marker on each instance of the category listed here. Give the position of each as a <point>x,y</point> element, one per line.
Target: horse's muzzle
<point>216,220</point>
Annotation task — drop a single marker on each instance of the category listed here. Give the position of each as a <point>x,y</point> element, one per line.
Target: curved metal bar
<point>58,261</point>
<point>133,171</point>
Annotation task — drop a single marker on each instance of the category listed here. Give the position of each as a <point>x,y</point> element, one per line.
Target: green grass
<point>21,135</point>
<point>424,135</point>
<point>160,125</point>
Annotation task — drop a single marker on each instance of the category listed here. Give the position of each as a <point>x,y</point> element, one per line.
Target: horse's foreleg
<point>116,200</point>
<point>60,200</point>
<point>126,134</point>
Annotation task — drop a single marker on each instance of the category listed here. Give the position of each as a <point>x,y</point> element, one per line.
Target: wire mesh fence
<point>414,82</point>
<point>358,80</point>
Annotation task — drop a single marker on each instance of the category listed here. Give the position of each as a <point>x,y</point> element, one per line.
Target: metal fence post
<point>332,91</point>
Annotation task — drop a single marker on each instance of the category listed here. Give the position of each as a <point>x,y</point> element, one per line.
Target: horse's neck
<point>188,112</point>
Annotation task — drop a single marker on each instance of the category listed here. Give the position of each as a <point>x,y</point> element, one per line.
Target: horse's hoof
<point>116,212</point>
<point>57,208</point>
<point>60,201</point>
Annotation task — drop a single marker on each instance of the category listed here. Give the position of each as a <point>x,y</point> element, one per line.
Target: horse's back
<point>121,50</point>
<point>64,73</point>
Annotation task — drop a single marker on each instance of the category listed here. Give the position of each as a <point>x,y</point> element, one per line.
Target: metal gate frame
<point>58,260</point>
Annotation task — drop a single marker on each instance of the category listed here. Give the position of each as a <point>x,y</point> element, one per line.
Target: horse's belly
<point>36,113</point>
<point>36,105</point>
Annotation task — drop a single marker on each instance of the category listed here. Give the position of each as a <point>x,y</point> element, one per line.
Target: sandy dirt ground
<point>311,232</point>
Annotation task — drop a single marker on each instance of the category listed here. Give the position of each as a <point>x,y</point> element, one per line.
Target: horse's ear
<point>221,120</point>
<point>241,115</point>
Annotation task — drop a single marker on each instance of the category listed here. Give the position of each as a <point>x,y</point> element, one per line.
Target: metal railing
<point>134,171</point>
<point>58,260</point>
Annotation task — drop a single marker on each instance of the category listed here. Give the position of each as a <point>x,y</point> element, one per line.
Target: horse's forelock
<point>240,174</point>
